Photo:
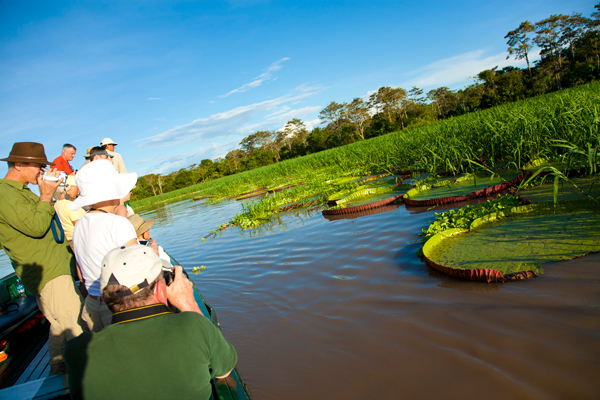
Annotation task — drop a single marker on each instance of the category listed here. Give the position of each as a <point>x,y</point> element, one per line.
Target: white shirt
<point>94,236</point>
<point>117,161</point>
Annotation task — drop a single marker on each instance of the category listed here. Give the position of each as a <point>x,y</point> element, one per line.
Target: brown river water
<point>344,309</point>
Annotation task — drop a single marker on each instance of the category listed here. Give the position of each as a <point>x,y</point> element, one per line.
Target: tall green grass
<point>508,136</point>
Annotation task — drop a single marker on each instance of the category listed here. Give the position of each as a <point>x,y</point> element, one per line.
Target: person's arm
<point>181,292</point>
<point>224,376</point>
<point>30,218</point>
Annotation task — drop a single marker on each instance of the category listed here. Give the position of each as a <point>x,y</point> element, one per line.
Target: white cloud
<point>154,98</point>
<point>459,68</point>
<point>238,121</point>
<point>265,76</point>
<point>312,124</point>
<point>175,162</point>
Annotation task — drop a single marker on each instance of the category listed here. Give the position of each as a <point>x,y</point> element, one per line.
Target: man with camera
<point>148,351</point>
<point>42,264</point>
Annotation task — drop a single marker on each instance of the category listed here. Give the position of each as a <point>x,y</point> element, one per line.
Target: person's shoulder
<point>10,182</point>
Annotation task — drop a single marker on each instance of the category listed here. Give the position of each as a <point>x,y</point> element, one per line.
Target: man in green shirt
<point>148,352</point>
<point>43,265</point>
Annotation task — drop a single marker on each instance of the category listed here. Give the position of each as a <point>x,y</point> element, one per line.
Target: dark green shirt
<point>27,239</point>
<point>149,353</point>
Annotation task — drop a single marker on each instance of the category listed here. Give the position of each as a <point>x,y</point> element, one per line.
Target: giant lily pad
<point>464,188</point>
<point>517,242</point>
<point>368,198</point>
<point>566,191</point>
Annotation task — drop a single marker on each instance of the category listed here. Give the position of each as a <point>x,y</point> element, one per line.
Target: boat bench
<point>54,386</point>
<point>50,387</point>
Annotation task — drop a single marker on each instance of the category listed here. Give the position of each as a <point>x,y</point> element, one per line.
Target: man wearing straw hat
<point>43,265</point>
<point>99,231</point>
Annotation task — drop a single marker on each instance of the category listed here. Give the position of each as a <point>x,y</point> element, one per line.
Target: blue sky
<point>176,82</point>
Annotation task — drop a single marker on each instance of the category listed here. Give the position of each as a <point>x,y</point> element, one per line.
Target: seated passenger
<point>148,352</point>
<point>99,231</point>
<point>142,230</point>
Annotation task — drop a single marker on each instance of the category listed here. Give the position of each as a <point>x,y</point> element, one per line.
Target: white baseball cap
<point>99,181</point>
<point>106,141</point>
<point>134,266</point>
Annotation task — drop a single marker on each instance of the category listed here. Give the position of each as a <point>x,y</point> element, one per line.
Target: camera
<point>169,277</point>
<point>61,175</point>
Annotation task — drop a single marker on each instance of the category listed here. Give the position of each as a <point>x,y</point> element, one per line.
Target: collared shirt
<point>62,165</point>
<point>118,162</point>
<point>27,239</point>
<point>149,353</point>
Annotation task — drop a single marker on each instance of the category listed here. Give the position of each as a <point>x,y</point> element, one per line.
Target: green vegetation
<point>569,48</point>
<point>510,136</point>
<point>463,217</point>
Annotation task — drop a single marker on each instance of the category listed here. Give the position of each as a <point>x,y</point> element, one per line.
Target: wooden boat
<point>24,339</point>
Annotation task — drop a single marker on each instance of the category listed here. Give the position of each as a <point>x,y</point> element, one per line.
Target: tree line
<point>569,47</point>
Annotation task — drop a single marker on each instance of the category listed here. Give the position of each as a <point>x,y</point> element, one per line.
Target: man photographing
<point>42,264</point>
<point>148,351</point>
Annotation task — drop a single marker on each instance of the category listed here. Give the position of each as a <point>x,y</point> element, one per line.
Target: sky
<point>175,82</point>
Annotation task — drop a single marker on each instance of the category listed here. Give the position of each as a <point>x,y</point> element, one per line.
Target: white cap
<point>99,181</point>
<point>106,141</point>
<point>134,266</point>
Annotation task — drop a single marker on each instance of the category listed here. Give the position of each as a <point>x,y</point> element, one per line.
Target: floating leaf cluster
<point>464,216</point>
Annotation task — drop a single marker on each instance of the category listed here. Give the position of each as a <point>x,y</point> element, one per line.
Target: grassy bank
<point>510,136</point>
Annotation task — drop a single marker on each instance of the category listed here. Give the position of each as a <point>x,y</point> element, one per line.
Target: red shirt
<point>62,165</point>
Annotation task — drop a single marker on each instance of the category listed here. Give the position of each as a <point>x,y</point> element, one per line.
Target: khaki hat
<point>99,181</point>
<point>87,154</point>
<point>140,224</point>
<point>106,141</point>
<point>28,152</point>
<point>134,266</point>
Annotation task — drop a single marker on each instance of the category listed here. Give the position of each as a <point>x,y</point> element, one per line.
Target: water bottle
<point>21,289</point>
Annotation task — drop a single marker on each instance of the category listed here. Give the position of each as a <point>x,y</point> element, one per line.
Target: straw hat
<point>28,152</point>
<point>140,224</point>
<point>99,181</point>
<point>87,154</point>
<point>106,141</point>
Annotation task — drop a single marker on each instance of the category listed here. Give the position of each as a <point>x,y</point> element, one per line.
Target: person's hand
<point>181,292</point>
<point>152,244</point>
<point>47,188</point>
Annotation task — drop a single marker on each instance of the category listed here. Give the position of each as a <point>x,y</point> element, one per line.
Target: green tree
<point>548,33</point>
<point>387,100</point>
<point>357,113</point>
<point>520,44</point>
<point>334,114</point>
